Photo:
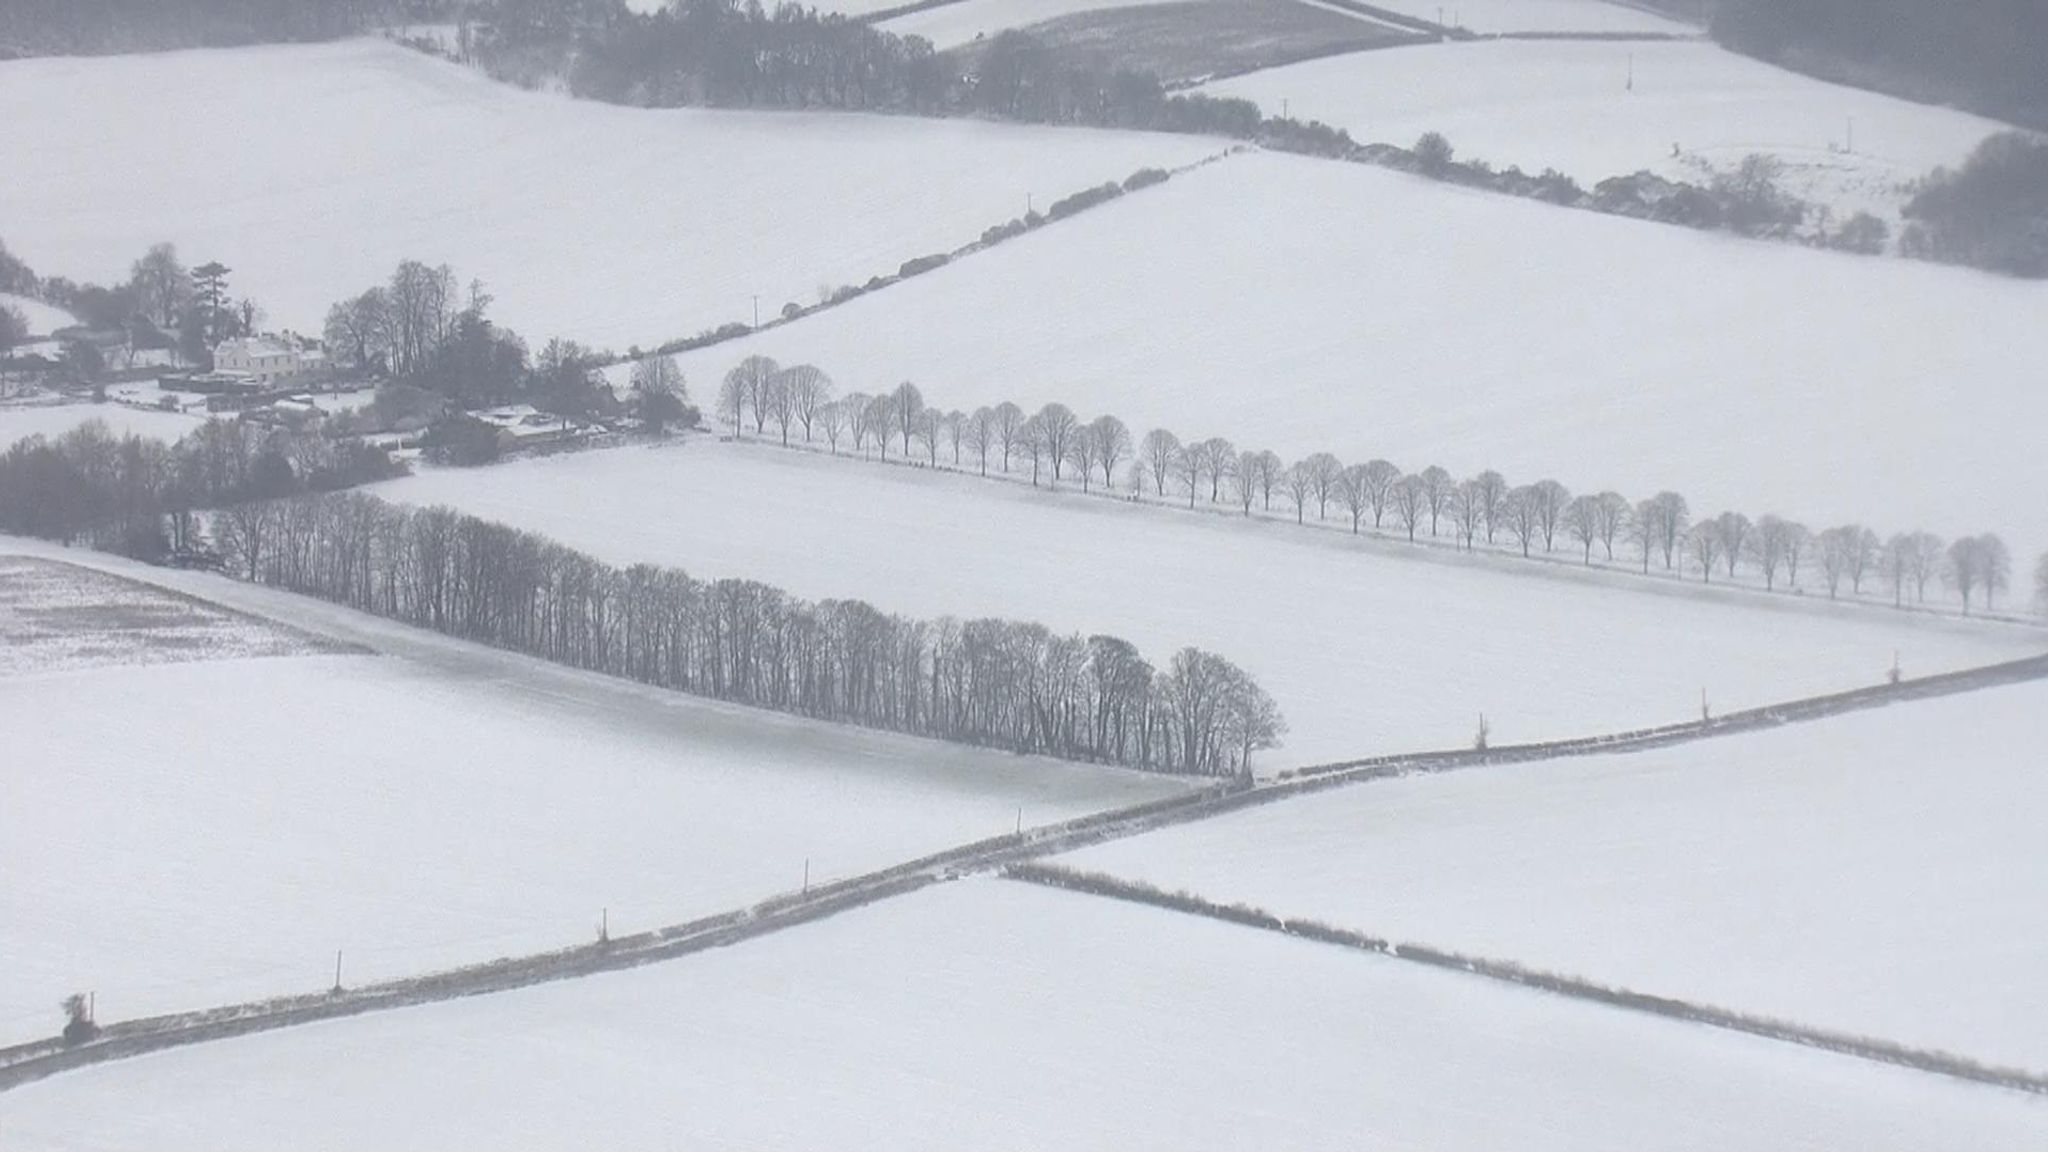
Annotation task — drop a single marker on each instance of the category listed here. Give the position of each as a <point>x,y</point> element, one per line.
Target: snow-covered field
<point>1568,105</point>
<point>1879,873</point>
<point>42,318</point>
<point>1303,305</point>
<point>20,421</point>
<point>951,25</point>
<point>1508,16</point>
<point>56,617</point>
<point>185,835</point>
<point>610,225</point>
<point>989,1015</point>
<point>1368,649</point>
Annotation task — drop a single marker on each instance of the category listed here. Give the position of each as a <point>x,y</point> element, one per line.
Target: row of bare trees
<point>1055,446</point>
<point>996,683</point>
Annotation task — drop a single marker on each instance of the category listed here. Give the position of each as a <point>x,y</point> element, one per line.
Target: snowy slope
<point>18,422</point>
<point>312,171</point>
<point>1303,305</point>
<point>951,25</point>
<point>1568,105</point>
<point>988,1015</point>
<point>1367,649</point>
<point>186,835</point>
<point>1508,16</point>
<point>42,318</point>
<point>1879,873</point>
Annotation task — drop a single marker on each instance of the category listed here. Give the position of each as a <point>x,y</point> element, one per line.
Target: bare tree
<point>1081,453</point>
<point>781,401</point>
<point>1833,548</point>
<point>1376,483</point>
<point>732,403</point>
<point>1032,443</point>
<point>1768,545</point>
<point>748,382</point>
<point>1614,518</point>
<point>1734,529</point>
<point>1896,561</point>
<point>908,404</point>
<point>981,434</point>
<point>162,285</point>
<point>1267,468</point>
<point>1217,456</point>
<point>1243,471</point>
<point>881,421</point>
<point>955,424</point>
<point>1411,502</point>
<point>1056,425</point>
<point>1584,518</point>
<point>809,391</point>
<point>1190,464</point>
<point>831,418</point>
<point>1927,554</point>
<point>1670,519</point>
<point>1493,495</point>
<point>1112,442</point>
<point>1995,569</point>
<point>1551,499</point>
<point>1861,556</point>
<point>1324,473</point>
<point>1158,454</point>
<point>1704,542</point>
<point>1009,427</point>
<point>1521,510</point>
<point>1468,512</point>
<point>1299,485</point>
<point>1437,487</point>
<point>928,428</point>
<point>1964,569</point>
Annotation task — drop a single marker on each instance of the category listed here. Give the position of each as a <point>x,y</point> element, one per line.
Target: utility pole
<point>604,926</point>
<point>807,874</point>
<point>757,310</point>
<point>1631,71</point>
<point>1020,819</point>
<point>337,971</point>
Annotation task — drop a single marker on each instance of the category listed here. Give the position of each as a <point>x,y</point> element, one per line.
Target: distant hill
<point>1985,55</point>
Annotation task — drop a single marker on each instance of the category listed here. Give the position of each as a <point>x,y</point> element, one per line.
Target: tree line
<point>1055,446</point>
<point>141,497</point>
<point>162,305</point>
<point>994,683</point>
<point>92,27</point>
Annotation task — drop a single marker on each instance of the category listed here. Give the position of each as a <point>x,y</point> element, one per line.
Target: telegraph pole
<point>757,310</point>
<point>337,971</point>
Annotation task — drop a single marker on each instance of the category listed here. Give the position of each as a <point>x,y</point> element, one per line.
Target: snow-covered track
<point>26,1063</point>
<point>1784,1031</point>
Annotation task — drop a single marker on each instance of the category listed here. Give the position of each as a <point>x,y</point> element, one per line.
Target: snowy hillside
<point>951,25</point>
<point>42,318</point>
<point>1879,873</point>
<point>312,171</point>
<point>1569,105</point>
<point>1489,17</point>
<point>1303,305</point>
<point>1367,650</point>
<point>433,806</point>
<point>988,1015</point>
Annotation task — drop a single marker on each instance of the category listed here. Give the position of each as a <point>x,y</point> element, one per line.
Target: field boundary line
<point>1504,971</point>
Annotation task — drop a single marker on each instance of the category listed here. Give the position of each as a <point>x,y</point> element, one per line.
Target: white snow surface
<point>20,421</point>
<point>1502,16</point>
<point>988,1015</point>
<point>1568,105</point>
<point>313,170</point>
<point>42,318</point>
<point>951,25</point>
<point>182,836</point>
<point>1878,873</point>
<point>1305,305</point>
<point>1367,648</point>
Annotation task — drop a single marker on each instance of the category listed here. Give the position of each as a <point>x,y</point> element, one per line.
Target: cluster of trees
<point>1987,54</point>
<point>162,304</point>
<point>425,332</point>
<point>996,683</point>
<point>139,496</point>
<point>1991,213</point>
<point>1056,446</point>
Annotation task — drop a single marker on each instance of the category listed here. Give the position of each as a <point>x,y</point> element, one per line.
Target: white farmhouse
<point>265,359</point>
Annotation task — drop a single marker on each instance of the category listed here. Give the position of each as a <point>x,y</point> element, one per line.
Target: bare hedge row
<point>1056,446</point>
<point>996,683</point>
